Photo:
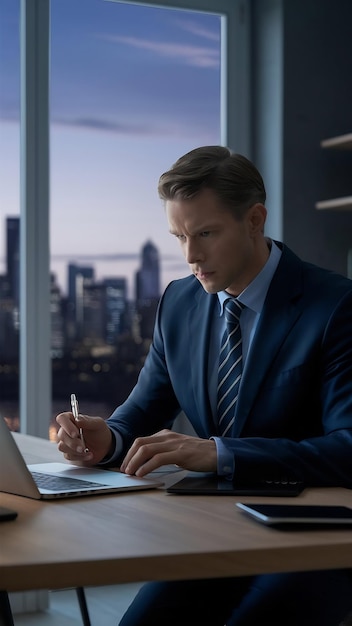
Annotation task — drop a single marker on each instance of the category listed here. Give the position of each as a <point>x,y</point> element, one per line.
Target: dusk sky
<point>132,89</point>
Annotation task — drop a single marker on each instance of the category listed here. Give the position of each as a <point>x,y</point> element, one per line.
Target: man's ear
<point>256,218</point>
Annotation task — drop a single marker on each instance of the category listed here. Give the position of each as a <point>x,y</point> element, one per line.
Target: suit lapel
<point>283,306</point>
<point>200,316</point>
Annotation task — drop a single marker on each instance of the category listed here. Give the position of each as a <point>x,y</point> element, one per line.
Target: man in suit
<point>290,417</point>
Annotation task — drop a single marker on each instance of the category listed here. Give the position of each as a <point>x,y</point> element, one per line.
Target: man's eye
<point>181,237</point>
<point>205,233</point>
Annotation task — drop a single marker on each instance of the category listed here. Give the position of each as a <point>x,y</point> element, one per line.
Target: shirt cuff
<point>225,459</point>
<point>115,451</point>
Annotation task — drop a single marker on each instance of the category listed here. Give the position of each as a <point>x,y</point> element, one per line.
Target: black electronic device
<point>203,483</point>
<point>6,514</point>
<point>289,515</point>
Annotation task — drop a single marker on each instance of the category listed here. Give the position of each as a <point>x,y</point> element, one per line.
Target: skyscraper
<point>115,307</point>
<point>148,289</point>
<point>78,279</point>
<point>148,276</point>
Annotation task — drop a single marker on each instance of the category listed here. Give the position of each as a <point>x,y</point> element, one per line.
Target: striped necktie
<point>230,366</point>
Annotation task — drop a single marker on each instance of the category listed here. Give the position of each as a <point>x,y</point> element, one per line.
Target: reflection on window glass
<point>9,210</point>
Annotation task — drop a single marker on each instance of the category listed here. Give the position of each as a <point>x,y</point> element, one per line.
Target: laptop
<point>50,481</point>
<point>205,483</point>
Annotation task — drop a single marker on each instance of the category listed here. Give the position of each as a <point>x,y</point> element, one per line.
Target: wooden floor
<point>106,606</point>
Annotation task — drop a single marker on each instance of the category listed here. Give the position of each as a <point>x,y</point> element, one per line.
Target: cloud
<point>96,123</point>
<point>121,256</point>
<point>198,30</point>
<point>196,56</point>
<point>169,128</point>
<point>164,129</point>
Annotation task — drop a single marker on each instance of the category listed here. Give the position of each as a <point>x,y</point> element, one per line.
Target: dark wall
<point>317,104</point>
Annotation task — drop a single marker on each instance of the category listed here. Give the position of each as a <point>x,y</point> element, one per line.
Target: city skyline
<point>97,337</point>
<point>80,261</point>
<point>132,88</point>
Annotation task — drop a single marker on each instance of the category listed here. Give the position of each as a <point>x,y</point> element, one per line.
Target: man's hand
<point>167,447</point>
<point>97,438</point>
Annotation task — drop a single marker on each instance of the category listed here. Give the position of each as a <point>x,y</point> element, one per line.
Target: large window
<point>132,87</point>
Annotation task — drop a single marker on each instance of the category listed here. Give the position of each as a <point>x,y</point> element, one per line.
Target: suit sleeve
<point>152,404</point>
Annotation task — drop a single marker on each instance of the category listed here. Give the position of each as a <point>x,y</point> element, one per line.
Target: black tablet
<point>296,514</point>
<point>198,483</point>
<point>6,514</point>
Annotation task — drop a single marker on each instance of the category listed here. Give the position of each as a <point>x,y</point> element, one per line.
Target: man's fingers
<point>149,453</point>
<point>164,458</point>
<point>139,454</point>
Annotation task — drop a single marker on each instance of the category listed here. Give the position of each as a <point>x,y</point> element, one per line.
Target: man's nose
<point>193,252</point>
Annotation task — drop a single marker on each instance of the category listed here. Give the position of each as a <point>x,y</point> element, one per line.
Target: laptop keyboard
<point>61,483</point>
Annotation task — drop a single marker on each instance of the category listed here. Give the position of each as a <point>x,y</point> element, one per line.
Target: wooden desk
<point>151,535</point>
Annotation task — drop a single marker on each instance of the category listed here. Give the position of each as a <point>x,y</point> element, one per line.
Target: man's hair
<point>232,177</point>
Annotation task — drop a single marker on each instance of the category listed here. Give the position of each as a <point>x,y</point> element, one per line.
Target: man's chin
<point>209,286</point>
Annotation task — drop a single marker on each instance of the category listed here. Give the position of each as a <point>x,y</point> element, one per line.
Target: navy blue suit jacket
<point>294,413</point>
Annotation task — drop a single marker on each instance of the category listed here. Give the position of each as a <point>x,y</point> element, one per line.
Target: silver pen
<point>74,406</point>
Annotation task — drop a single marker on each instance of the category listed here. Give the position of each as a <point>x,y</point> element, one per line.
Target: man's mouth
<point>202,275</point>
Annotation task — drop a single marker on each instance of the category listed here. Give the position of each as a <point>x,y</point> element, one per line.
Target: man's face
<point>223,253</point>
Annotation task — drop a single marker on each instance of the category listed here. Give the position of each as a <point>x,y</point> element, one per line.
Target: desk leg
<point>6,618</point>
<point>83,606</point>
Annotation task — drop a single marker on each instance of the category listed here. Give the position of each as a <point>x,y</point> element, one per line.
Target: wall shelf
<point>336,203</point>
<point>341,142</point>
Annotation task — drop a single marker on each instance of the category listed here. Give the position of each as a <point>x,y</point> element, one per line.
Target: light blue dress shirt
<point>253,297</point>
